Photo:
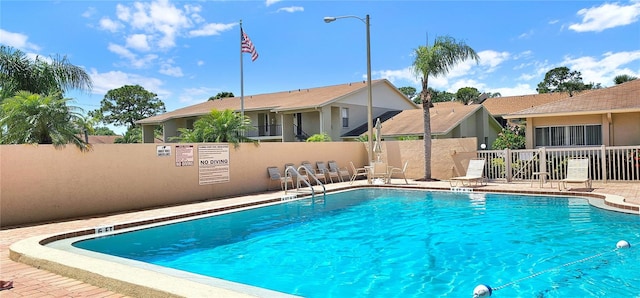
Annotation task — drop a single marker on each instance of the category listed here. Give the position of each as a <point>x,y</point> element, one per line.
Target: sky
<point>188,51</point>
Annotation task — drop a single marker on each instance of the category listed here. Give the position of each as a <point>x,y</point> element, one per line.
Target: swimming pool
<point>403,243</point>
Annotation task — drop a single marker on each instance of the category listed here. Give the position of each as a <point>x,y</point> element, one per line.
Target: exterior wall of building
<point>40,183</point>
<point>625,129</point>
<point>617,129</point>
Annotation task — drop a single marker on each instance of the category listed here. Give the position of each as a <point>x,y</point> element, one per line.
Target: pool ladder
<point>294,174</point>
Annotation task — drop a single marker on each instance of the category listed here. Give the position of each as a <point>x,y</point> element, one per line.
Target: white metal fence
<point>620,163</point>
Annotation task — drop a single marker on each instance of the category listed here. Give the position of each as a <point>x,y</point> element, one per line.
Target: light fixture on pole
<point>370,98</point>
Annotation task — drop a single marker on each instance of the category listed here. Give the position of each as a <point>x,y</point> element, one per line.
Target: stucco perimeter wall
<point>40,183</point>
<point>449,157</point>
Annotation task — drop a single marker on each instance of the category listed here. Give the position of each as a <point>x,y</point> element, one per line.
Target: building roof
<point>624,97</point>
<point>101,139</point>
<point>498,106</point>
<point>445,116</point>
<point>279,101</point>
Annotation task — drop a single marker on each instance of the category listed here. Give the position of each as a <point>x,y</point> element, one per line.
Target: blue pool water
<point>403,243</point>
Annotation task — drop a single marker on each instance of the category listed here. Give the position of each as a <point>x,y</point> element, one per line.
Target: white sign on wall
<point>163,150</point>
<point>184,155</point>
<point>213,163</point>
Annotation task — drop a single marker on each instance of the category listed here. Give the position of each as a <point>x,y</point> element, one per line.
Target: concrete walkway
<point>33,282</point>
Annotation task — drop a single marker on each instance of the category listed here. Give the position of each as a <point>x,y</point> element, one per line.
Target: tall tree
<point>619,79</point>
<point>409,91</point>
<point>436,60</point>
<point>39,76</point>
<point>103,131</point>
<point>221,95</point>
<point>128,104</point>
<point>29,118</point>
<point>562,79</point>
<point>218,126</point>
<point>467,95</point>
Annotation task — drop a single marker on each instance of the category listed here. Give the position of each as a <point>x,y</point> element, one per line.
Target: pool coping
<point>139,282</point>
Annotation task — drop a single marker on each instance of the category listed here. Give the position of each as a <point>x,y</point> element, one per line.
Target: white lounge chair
<point>357,172</point>
<point>379,172</point>
<point>400,171</point>
<point>577,172</point>
<point>475,173</point>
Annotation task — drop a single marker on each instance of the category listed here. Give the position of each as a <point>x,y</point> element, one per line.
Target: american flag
<point>247,46</point>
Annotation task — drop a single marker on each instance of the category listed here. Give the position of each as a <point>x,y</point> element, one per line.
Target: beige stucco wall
<point>626,129</point>
<point>40,183</point>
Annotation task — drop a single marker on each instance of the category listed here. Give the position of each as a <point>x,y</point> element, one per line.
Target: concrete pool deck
<point>30,281</point>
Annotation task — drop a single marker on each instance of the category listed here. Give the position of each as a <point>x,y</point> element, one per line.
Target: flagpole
<point>241,77</point>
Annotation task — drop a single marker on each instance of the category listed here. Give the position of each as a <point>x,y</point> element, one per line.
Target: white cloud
<point>200,62</point>
<point>271,2</point>
<point>167,68</point>
<point>196,95</point>
<point>134,61</point>
<point>525,35</point>
<point>490,60</point>
<point>606,16</point>
<point>603,70</point>
<point>291,9</point>
<point>138,42</point>
<point>519,89</point>
<point>123,13</point>
<point>91,11</point>
<point>110,25</point>
<point>103,82</point>
<point>405,74</point>
<point>17,40</point>
<point>453,88</point>
<point>211,29</point>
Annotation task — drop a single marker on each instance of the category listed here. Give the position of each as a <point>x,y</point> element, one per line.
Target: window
<point>574,135</point>
<point>345,117</point>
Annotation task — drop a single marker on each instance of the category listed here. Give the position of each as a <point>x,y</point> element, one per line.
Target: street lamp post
<point>370,98</point>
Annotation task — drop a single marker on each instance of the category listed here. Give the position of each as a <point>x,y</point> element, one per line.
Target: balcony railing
<point>621,163</point>
<point>272,130</point>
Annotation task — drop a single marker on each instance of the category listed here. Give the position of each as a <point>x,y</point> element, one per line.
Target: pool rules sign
<point>213,163</point>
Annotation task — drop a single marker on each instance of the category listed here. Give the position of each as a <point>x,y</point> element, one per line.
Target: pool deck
<point>33,282</point>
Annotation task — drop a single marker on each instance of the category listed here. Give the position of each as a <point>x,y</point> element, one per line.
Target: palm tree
<point>132,135</point>
<point>436,60</point>
<point>38,76</point>
<point>218,126</point>
<point>29,118</point>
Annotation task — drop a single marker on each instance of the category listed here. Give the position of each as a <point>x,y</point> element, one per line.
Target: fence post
<point>507,161</point>
<point>543,160</point>
<point>603,160</point>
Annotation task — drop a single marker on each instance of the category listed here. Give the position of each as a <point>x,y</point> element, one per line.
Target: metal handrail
<point>290,171</point>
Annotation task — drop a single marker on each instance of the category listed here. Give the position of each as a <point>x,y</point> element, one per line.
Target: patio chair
<point>342,172</point>
<point>274,175</point>
<point>475,173</point>
<point>311,171</point>
<point>380,172</point>
<point>400,171</point>
<point>322,168</point>
<point>295,175</point>
<point>357,172</point>
<point>577,172</point>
